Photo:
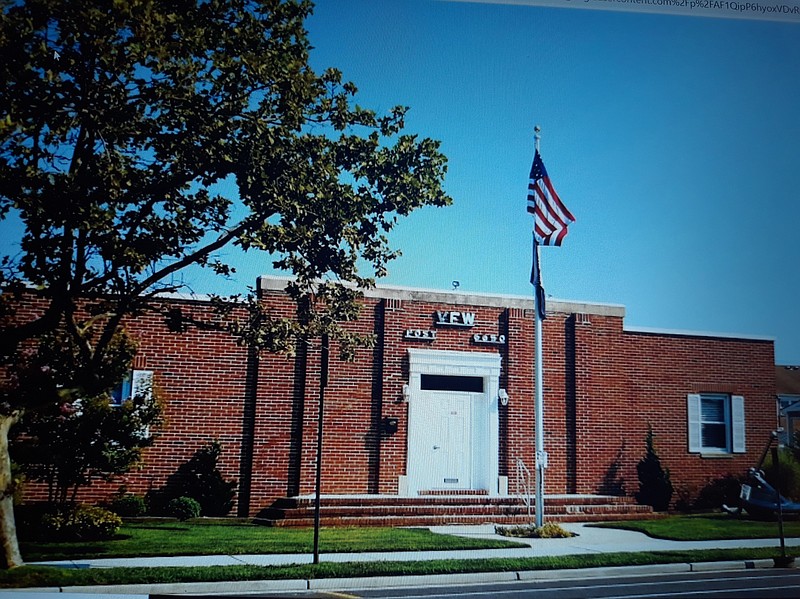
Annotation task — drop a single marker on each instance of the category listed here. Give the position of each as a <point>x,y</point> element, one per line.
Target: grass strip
<point>705,527</point>
<point>43,576</point>
<point>148,539</point>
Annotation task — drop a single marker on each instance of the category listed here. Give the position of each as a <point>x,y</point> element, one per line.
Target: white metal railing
<point>524,485</point>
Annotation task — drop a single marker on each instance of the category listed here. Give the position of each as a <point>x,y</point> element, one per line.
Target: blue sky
<point>672,139</point>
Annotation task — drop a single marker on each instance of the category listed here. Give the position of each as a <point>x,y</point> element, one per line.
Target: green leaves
<point>117,123</point>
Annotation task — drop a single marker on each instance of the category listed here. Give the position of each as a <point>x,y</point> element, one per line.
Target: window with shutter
<point>715,423</point>
<point>714,418</point>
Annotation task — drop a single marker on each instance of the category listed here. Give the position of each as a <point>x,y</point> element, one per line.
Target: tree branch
<point>193,258</point>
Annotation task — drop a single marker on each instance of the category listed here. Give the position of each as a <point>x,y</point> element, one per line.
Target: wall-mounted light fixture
<point>389,425</point>
<point>406,393</point>
<point>503,397</point>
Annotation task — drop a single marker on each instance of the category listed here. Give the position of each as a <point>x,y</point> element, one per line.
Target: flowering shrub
<point>548,530</point>
<point>80,523</point>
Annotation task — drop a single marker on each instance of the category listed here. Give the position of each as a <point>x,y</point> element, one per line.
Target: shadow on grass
<point>151,527</point>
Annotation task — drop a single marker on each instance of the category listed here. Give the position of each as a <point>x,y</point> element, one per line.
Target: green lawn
<point>41,576</point>
<point>173,538</point>
<point>142,539</point>
<point>706,527</point>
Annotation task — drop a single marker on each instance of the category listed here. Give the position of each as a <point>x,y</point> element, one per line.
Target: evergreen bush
<point>128,506</point>
<point>183,508</point>
<point>655,486</point>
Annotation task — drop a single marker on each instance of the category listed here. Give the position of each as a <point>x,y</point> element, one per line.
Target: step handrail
<point>524,485</point>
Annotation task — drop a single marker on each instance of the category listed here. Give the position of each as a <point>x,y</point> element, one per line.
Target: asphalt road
<point>755,584</point>
<point>760,584</point>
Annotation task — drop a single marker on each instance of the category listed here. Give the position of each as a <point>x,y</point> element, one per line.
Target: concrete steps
<point>434,510</point>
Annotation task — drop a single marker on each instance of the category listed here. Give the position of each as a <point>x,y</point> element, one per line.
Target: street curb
<point>185,588</point>
<point>753,564</point>
<point>411,581</point>
<point>603,571</point>
<point>42,590</point>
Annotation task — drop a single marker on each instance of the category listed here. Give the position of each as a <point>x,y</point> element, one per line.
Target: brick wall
<point>626,381</point>
<point>602,388</point>
<point>201,377</point>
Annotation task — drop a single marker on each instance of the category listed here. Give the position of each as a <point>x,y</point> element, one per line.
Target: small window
<point>137,382</point>
<point>716,423</point>
<point>121,392</point>
<point>441,382</point>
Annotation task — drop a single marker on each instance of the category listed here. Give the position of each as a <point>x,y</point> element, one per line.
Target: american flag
<point>550,216</point>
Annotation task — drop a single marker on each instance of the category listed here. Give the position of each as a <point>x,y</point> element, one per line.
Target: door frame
<point>486,425</point>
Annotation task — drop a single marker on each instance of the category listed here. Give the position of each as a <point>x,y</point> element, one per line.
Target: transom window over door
<point>441,382</point>
<point>716,423</point>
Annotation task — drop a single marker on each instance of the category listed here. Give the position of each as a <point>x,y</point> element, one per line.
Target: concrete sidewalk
<point>589,540</point>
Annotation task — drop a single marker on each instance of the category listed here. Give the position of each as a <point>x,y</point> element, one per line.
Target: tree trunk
<point>11,557</point>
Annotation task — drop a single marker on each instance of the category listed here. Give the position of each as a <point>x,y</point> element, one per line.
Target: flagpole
<point>538,404</point>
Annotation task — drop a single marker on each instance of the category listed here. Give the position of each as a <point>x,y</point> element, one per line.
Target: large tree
<point>118,121</point>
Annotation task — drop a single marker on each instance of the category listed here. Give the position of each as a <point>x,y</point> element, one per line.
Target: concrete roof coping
<point>685,333</point>
<point>492,300</point>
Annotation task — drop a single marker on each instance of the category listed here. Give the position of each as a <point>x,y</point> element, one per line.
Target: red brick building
<point>444,400</point>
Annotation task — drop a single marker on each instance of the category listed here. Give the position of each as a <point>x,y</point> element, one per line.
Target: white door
<point>453,434</point>
<point>445,440</point>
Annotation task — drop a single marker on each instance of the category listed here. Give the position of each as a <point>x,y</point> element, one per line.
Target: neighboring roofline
<point>708,334</point>
<point>494,300</point>
<point>792,408</point>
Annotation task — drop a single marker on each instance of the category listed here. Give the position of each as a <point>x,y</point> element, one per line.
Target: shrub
<point>201,479</point>
<point>551,530</point>
<point>548,530</point>
<point>686,496</point>
<point>794,445</point>
<point>183,508</point>
<point>79,523</point>
<point>718,492</point>
<point>128,506</point>
<point>28,518</point>
<point>655,487</point>
<point>790,474</point>
<point>712,496</point>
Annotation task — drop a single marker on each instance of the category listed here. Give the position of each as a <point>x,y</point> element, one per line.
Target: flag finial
<point>537,130</point>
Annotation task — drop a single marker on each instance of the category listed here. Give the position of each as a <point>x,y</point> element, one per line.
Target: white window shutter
<point>737,424</point>
<point>693,422</point>
<point>142,383</point>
